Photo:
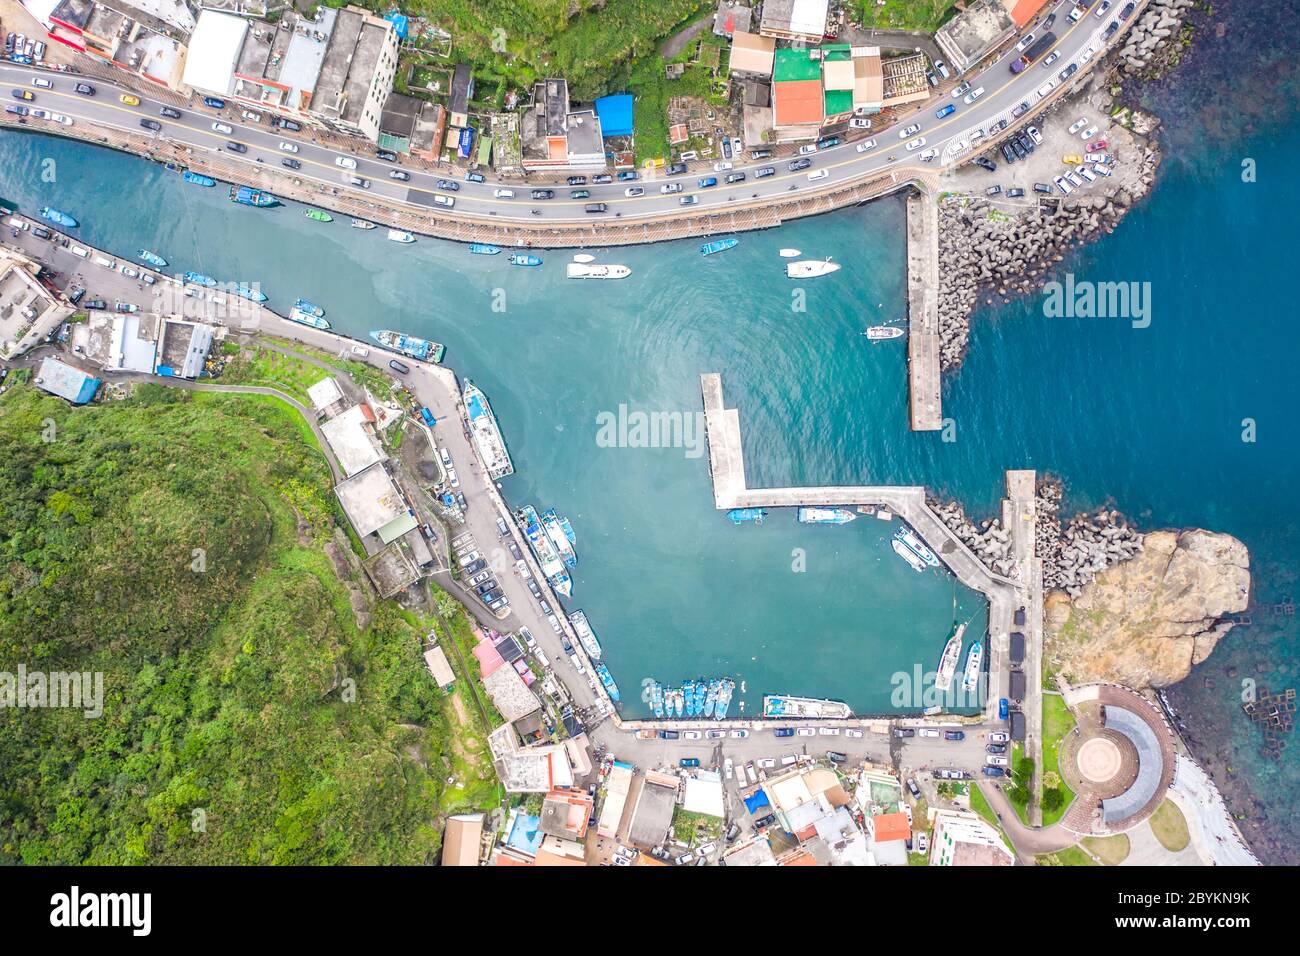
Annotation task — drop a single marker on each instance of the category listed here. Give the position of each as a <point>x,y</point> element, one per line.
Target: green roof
<point>839,101</point>
<point>837,51</point>
<point>795,65</point>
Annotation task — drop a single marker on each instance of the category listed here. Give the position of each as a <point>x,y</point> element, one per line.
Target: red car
<point>1097,147</point>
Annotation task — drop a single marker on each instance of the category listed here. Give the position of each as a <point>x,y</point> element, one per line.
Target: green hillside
<point>176,543</point>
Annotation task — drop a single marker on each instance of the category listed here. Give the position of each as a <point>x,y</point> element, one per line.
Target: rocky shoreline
<point>986,253</point>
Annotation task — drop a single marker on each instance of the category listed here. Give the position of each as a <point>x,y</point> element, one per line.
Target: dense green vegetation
<point>927,15</point>
<point>176,543</point>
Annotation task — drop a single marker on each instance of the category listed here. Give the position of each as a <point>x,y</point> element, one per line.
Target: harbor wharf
<point>925,400</point>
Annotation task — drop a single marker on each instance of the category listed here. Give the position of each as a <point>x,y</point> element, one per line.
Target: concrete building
<point>118,343</point>
<point>566,814</point>
<point>751,55</point>
<point>279,65</point>
<point>510,694</point>
<point>974,33</point>
<point>553,137</point>
<point>798,102</point>
<point>183,348</point>
<point>351,437</point>
<point>325,394</point>
<point>436,660</point>
<point>868,80</point>
<point>838,82</point>
<point>357,74</point>
<point>29,311</point>
<point>218,41</point>
<point>962,838</point>
<point>617,788</point>
<point>652,813</point>
<point>702,793</point>
<point>462,840</point>
<point>145,38</point>
<point>732,17</point>
<point>800,20</point>
<point>371,501</point>
<point>66,381</point>
<point>412,126</point>
<point>462,91</point>
<point>537,769</point>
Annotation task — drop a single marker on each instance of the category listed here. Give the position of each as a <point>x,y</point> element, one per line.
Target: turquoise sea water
<point>1148,418</point>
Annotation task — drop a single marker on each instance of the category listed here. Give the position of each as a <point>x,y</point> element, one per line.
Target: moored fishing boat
<point>812,707</point>
<point>790,253</point>
<point>248,196</point>
<point>198,278</point>
<point>913,541</point>
<point>711,698</point>
<point>742,515</point>
<point>561,534</point>
<point>58,218</point>
<point>882,333</point>
<point>520,259</point>
<point>974,657</point>
<point>416,348</point>
<point>577,270</point>
<point>810,268</point>
<point>197,180</point>
<point>688,697</point>
<point>484,249</point>
<point>607,679</point>
<point>302,305</point>
<point>586,636</point>
<point>306,318</point>
<point>584,257</point>
<point>400,235</point>
<point>362,224</point>
<point>701,694</point>
<point>486,431</point>
<point>656,699</point>
<point>717,245</point>
<point>248,292</point>
<point>155,260</point>
<point>544,551</point>
<point>825,516</point>
<point>908,555</point>
<point>725,689</point>
<point>318,215</point>
<point>948,659</point>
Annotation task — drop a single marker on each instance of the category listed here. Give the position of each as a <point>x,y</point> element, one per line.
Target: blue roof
<point>66,381</point>
<point>526,834</point>
<point>756,800</point>
<point>399,23</point>
<point>615,114</point>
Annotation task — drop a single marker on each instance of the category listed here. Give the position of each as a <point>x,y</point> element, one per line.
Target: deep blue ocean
<point>1150,419</point>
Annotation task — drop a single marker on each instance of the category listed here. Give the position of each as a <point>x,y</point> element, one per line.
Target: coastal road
<point>952,137</point>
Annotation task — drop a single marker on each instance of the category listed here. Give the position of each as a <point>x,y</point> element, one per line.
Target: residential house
<point>29,310</point>
<point>554,137</point>
<point>751,55</point>
<point>66,381</point>
<point>798,101</point>
<point>463,840</point>
<point>799,20</point>
<point>145,38</point>
<point>962,838</point>
<point>731,17</point>
<point>974,33</point>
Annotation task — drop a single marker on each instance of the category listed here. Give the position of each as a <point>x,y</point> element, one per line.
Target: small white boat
<point>810,268</point>
<point>790,253</point>
<point>362,224</point>
<point>399,235</point>
<point>584,257</point>
<point>879,333</point>
<point>578,270</point>
<point>904,552</point>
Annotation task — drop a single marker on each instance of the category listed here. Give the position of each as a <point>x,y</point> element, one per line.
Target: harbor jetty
<point>923,345</point>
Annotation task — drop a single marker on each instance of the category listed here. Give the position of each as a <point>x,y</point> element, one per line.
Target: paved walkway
<point>1213,833</point>
<point>1028,842</point>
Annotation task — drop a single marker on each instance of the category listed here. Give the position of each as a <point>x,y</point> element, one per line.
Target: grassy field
<point>1058,722</point>
<point>1070,856</point>
<point>1111,850</point>
<point>1170,827</point>
<point>175,543</point>
<point>259,365</point>
<point>695,829</point>
<point>925,15</point>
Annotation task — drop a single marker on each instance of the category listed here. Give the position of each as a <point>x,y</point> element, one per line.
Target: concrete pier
<point>923,312</point>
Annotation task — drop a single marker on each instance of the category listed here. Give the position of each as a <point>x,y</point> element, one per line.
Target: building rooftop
<point>183,348</point>
<point>350,440</point>
<point>731,17</point>
<point>565,813</point>
<point>797,102</point>
<point>400,115</point>
<point>325,393</point>
<point>66,381</point>
<point>370,499</point>
<point>28,311</point>
<point>791,64</point>
<point>214,51</point>
<point>797,17</point>
<point>463,840</point>
<point>436,660</point>
<point>462,83</point>
<point>348,69</point>
<point>653,815</point>
<point>751,53</point>
<point>510,694</point>
<point>974,31</point>
<point>281,65</point>
<point>890,826</point>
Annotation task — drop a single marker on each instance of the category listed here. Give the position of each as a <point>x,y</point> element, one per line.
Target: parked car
<point>995,748</point>
<point>691,735</point>
<point>626,176</point>
<point>1044,188</point>
<point>1068,72</point>
<point>985,163</point>
<point>784,732</point>
<point>993,190</point>
<point>1101,10</point>
<point>602,179</point>
<point>1015,192</point>
<point>993,771</point>
<point>288,124</point>
<point>1002,708</point>
<point>826,142</point>
<point>689,762</point>
<point>473,177</point>
<point>954,735</point>
<point>998,737</point>
<point>904,732</point>
<point>577,180</point>
<point>913,789</point>
<point>860,122</point>
<point>214,103</point>
<point>834,756</point>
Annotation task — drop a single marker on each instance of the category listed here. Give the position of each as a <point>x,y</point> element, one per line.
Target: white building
<point>962,838</point>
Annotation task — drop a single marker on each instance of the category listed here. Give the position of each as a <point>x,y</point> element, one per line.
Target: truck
<point>1036,49</point>
<point>428,417</point>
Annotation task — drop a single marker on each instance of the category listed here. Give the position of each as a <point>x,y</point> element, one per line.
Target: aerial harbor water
<point>1149,418</point>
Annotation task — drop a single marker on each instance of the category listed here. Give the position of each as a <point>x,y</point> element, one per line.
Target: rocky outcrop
<point>1146,621</point>
<point>1155,43</point>
<point>1088,544</point>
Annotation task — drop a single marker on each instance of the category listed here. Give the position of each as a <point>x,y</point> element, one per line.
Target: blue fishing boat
<point>198,278</point>
<point>608,680</point>
<point>417,348</point>
<point>58,218</point>
<point>711,699</point>
<point>717,245</point>
<point>155,260</point>
<point>484,249</point>
<point>918,547</point>
<point>302,305</point>
<point>197,180</point>
<point>249,293</point>
<point>248,196</point>
<point>741,515</point>
<point>701,694</point>
<point>724,698</point>
<point>519,259</point>
<point>656,699</point>
<point>688,697</point>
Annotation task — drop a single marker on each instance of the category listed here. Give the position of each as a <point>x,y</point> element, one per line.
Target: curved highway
<point>953,139</point>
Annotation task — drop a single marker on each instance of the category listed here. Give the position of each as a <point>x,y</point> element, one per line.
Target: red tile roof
<point>1024,11</point>
<point>797,102</point>
<point>891,826</point>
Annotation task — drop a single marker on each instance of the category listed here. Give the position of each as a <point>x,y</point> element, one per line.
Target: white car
<point>974,94</point>
<point>1074,179</point>
<point>817,174</point>
<point>1102,8</point>
<point>1074,14</point>
<point>289,147</point>
<point>705,850</point>
<point>670,188</point>
<point>1094,157</point>
<point>1088,133</point>
<point>1052,58</point>
<point>929,155</point>
<point>360,351</point>
<point>503,193</point>
<point>1063,185</point>
<point>915,144</point>
<point>928,732</point>
<point>1102,169</point>
<point>740,734</point>
<point>715,735</point>
<point>909,131</point>
<point>999,738</point>
<point>852,732</point>
<point>633,191</point>
<point>252,117</point>
<point>807,148</point>
<point>996,760</point>
<point>766,763</point>
<point>922,843</point>
<point>1025,40</point>
<point>1078,124</point>
<point>692,735</point>
<point>222,128</point>
<point>346,162</point>
<point>1036,136</point>
<point>722,165</point>
<point>828,731</point>
<point>1088,54</point>
<point>1046,88</point>
<point>42,82</point>
<point>60,118</point>
<point>806,732</point>
<point>869,144</point>
<point>452,479</point>
<point>1087,174</point>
